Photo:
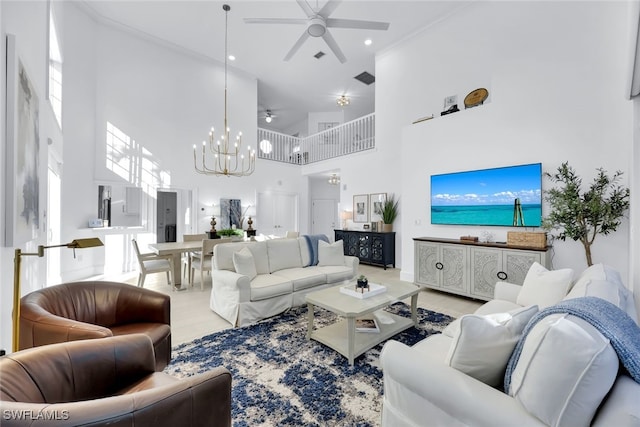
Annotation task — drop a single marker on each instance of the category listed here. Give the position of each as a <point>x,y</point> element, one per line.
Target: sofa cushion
<point>435,346</point>
<point>600,272</point>
<point>330,253</point>
<point>244,264</point>
<point>283,253</point>
<point>621,407</point>
<point>490,307</point>
<point>604,282</point>
<point>260,257</point>
<point>482,345</point>
<point>336,273</point>
<point>564,371</point>
<point>544,287</point>
<point>266,286</point>
<point>223,255</point>
<point>303,277</point>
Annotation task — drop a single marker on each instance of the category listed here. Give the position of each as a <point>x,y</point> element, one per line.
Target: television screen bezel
<point>478,224</point>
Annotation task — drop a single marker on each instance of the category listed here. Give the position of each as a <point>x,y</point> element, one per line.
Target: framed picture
<point>23,152</point>
<point>376,200</point>
<point>361,208</point>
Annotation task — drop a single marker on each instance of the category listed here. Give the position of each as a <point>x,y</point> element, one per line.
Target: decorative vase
<point>387,228</point>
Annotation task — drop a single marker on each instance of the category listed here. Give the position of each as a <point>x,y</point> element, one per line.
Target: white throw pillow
<point>600,272</point>
<point>565,370</point>
<point>482,345</point>
<point>604,282</point>
<point>544,287</point>
<point>244,264</point>
<point>330,253</point>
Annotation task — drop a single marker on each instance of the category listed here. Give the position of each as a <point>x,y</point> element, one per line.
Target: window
<point>55,71</point>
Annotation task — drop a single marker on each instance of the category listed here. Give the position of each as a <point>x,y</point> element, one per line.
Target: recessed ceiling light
<point>232,58</point>
<point>368,42</point>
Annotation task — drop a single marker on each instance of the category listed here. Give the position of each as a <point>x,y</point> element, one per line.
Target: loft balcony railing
<point>347,138</point>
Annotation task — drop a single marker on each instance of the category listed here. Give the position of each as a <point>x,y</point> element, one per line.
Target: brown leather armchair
<point>108,381</point>
<point>95,309</point>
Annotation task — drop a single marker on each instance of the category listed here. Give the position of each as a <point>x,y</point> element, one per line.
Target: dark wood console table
<point>369,246</point>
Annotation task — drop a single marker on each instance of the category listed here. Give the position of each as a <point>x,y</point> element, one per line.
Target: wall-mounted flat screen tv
<point>505,196</point>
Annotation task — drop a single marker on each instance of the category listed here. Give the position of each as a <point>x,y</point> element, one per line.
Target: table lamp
<point>17,261</point>
<point>345,216</point>
<point>212,212</point>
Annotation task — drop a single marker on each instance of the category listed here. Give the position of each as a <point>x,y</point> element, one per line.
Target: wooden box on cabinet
<point>369,246</point>
<point>472,268</point>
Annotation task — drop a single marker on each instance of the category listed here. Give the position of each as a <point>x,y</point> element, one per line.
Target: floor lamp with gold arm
<point>17,261</point>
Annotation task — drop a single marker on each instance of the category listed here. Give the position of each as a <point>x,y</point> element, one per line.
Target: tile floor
<point>192,318</point>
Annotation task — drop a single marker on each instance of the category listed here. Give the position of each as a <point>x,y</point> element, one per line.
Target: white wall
<point>29,22</point>
<point>323,117</point>
<point>166,111</point>
<point>556,95</point>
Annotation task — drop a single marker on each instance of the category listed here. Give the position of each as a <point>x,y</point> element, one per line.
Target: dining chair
<point>203,263</point>
<point>188,257</point>
<point>150,263</point>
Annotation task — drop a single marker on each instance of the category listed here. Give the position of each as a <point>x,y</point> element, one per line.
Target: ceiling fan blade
<point>329,7</point>
<point>307,9</point>
<point>294,49</point>
<point>274,21</point>
<point>356,24</point>
<point>331,42</point>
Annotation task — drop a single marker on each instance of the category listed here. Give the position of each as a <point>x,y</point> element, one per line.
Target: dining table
<point>176,249</point>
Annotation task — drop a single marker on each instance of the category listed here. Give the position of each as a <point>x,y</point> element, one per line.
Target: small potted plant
<point>230,233</point>
<point>389,213</point>
<point>362,283</point>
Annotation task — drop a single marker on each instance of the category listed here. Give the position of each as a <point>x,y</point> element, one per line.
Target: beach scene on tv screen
<point>503,196</point>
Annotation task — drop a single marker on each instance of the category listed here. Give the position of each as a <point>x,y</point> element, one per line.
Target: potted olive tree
<point>389,213</point>
<point>582,215</point>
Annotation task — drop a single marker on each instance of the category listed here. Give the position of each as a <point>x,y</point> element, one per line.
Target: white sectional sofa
<point>567,373</point>
<point>256,280</point>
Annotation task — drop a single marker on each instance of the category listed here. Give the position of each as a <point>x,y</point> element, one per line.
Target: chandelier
<point>342,101</point>
<point>334,179</point>
<point>227,160</point>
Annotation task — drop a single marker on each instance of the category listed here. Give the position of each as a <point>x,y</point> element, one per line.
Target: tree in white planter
<point>582,215</point>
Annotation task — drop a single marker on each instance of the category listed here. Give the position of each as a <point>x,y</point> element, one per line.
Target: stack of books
<point>367,325</point>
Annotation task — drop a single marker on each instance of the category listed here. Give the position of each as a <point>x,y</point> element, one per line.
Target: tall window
<point>55,71</point>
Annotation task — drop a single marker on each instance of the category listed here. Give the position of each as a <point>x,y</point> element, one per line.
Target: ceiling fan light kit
<point>227,159</point>
<point>318,24</point>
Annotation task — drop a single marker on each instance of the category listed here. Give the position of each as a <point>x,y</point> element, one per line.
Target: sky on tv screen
<point>487,197</point>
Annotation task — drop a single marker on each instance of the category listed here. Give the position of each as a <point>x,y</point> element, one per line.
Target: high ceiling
<point>290,89</point>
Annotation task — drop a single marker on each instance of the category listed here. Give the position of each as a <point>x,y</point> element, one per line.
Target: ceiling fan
<point>318,24</point>
<point>268,116</point>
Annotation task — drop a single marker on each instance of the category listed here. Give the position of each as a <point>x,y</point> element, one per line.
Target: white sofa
<point>566,378</point>
<point>256,280</point>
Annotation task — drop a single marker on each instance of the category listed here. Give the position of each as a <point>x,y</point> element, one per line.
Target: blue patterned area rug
<point>281,379</point>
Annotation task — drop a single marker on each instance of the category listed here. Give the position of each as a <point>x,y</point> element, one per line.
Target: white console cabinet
<point>472,268</point>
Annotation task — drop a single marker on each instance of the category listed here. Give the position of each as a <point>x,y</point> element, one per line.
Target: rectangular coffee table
<point>342,336</point>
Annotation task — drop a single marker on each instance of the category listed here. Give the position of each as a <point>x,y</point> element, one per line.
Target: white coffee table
<point>342,336</point>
